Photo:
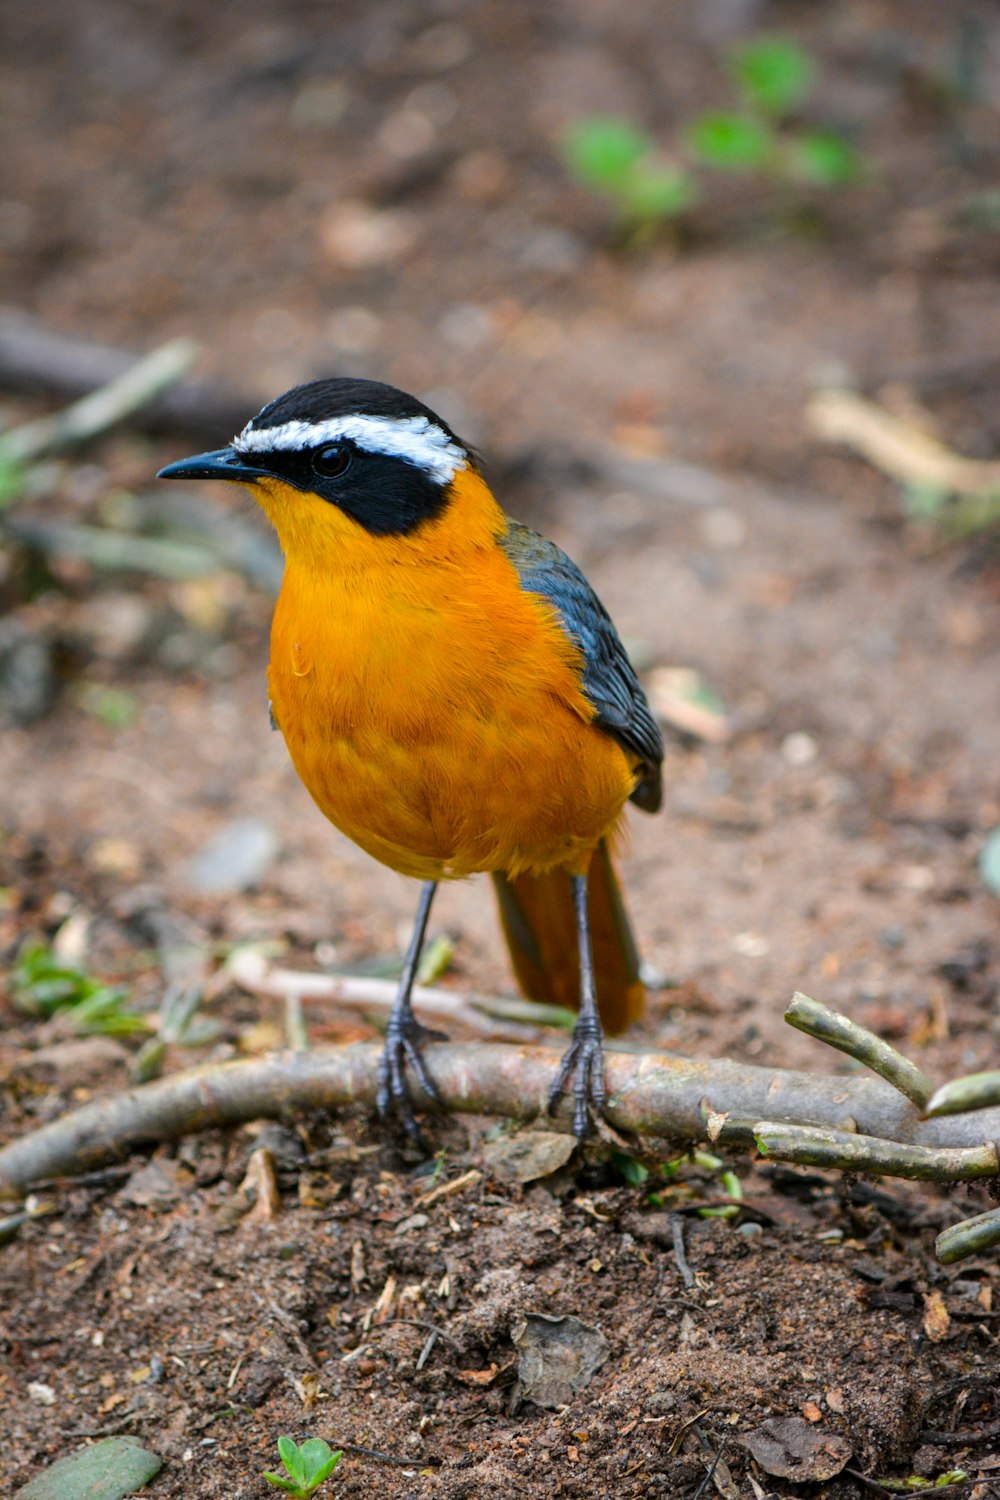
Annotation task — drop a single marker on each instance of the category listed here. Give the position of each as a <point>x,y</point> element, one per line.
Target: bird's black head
<point>378,455</point>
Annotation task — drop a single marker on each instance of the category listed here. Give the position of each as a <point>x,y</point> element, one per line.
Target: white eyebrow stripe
<point>416,439</point>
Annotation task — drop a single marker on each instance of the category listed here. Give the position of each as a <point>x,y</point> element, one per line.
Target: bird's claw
<point>583,1061</point>
<point>403,1040</point>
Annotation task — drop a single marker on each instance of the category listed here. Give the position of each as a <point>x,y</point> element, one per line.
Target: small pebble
<point>799,749</point>
<point>234,859</point>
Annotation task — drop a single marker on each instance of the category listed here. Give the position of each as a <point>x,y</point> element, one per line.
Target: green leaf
<point>989,862</point>
<point>602,152</point>
<point>826,158</point>
<point>111,706</point>
<point>282,1484</point>
<point>633,1171</point>
<point>290,1455</point>
<point>924,502</point>
<point>659,191</point>
<point>732,143</point>
<point>319,1461</point>
<point>775,74</point>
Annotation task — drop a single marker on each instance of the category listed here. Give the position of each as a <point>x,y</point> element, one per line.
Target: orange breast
<point>435,715</point>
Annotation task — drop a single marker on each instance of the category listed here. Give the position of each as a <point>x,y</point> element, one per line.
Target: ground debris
<point>792,1448</point>
<point>558,1358</point>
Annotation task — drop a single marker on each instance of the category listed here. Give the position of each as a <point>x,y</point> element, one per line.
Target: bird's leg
<point>584,1059</point>
<point>404,1034</point>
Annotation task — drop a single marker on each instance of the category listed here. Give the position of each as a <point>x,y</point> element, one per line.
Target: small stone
<point>358,237</point>
<point>108,1470</point>
<point>235,859</point>
<point>411,1224</point>
<point>799,749</point>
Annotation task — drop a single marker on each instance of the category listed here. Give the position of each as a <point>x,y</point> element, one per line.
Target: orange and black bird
<point>454,696</point>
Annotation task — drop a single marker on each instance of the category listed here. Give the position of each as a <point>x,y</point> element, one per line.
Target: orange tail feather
<point>536,912</point>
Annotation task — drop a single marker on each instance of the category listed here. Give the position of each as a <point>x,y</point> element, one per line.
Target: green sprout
<point>307,1466</point>
<point>44,985</point>
<point>760,136</point>
<point>775,77</point>
<point>616,159</point>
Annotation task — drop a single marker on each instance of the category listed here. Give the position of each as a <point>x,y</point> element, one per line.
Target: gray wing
<point>609,680</point>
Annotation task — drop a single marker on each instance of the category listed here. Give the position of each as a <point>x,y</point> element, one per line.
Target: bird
<point>455,698</point>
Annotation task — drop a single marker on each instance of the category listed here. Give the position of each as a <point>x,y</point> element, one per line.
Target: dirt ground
<point>376,189</point>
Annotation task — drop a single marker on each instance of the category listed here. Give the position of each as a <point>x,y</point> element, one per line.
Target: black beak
<point>224,463</point>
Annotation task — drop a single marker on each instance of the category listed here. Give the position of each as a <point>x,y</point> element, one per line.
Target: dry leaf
<point>557,1358</point>
<point>937,1323</point>
<point>790,1448</point>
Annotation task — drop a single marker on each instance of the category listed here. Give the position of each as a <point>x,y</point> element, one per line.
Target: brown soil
<point>180,168</point>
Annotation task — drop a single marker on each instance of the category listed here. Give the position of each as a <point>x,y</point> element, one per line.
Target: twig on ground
<point>249,968</point>
<point>37,358</point>
<point>127,392</point>
<point>898,447</point>
<point>680,1254</point>
<point>974,1091</point>
<point>826,1025</point>
<point>809,1147</point>
<point>650,1094</point>
<point>970,1237</point>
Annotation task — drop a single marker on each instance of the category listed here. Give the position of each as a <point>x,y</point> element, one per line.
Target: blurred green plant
<point>616,159</point>
<point>178,1025</point>
<point>706,1162</point>
<point>44,985</point>
<point>774,77</point>
<point>307,1466</point>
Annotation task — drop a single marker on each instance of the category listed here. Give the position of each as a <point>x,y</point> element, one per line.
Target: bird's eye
<point>333,460</point>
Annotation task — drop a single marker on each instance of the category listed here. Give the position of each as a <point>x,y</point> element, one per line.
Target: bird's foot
<point>583,1061</point>
<point>403,1040</point>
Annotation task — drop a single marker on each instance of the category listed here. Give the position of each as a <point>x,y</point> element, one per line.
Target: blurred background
<point>714,290</point>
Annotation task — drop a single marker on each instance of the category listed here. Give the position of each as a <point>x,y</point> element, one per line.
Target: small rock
<point>661,1401</point>
<point>158,1182</point>
<point>27,678</point>
<point>82,1062</point>
<point>42,1393</point>
<point>799,749</point>
<point>234,859</point>
<point>409,1225</point>
<point>358,237</point>
<point>108,1470</point>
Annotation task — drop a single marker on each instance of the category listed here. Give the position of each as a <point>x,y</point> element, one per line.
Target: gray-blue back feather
<point>609,680</point>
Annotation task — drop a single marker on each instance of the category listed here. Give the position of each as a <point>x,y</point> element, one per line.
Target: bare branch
<point>970,1237</point>
<point>36,357</point>
<point>134,388</point>
<point>826,1025</point>
<point>650,1094</point>
<point>974,1091</point>
<point>845,1152</point>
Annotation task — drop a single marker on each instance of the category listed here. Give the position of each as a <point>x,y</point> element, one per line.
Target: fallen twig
<point>680,1254</point>
<point>826,1025</point>
<point>898,447</point>
<point>974,1091</point>
<point>846,1152</point>
<point>970,1237</point>
<point>649,1093</point>
<point>36,357</point>
<point>127,392</point>
<point>520,1020</point>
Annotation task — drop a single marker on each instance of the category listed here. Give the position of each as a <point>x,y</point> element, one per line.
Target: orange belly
<point>435,716</point>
